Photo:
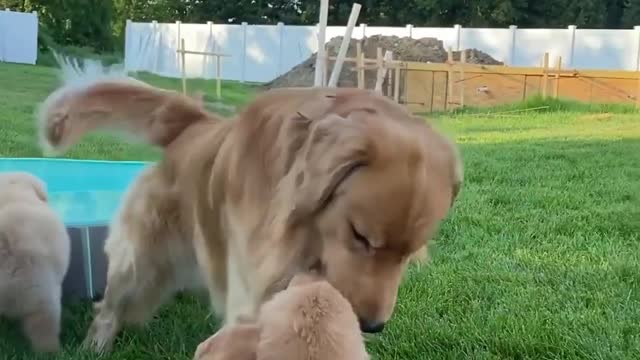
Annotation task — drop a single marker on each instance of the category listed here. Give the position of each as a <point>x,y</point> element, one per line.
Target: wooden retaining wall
<point>435,87</point>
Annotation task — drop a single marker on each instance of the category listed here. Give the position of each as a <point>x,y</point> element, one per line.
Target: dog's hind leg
<point>148,298</point>
<point>122,279</point>
<point>136,287</point>
<point>108,319</point>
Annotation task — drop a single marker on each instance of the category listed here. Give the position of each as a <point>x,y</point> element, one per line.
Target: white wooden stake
<point>342,53</point>
<point>320,59</point>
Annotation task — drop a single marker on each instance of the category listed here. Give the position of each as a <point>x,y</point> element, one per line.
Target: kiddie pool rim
<point>86,277</point>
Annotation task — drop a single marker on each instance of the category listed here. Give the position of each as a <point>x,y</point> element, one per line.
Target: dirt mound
<point>404,48</point>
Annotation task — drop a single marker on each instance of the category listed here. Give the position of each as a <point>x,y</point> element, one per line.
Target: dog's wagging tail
<point>125,105</point>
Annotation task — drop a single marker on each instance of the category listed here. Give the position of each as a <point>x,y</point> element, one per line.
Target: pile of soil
<point>403,48</point>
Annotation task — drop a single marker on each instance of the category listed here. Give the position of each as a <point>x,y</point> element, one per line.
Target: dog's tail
<point>95,97</point>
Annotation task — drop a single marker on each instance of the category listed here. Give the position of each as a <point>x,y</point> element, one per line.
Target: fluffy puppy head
<point>23,183</point>
<point>309,320</point>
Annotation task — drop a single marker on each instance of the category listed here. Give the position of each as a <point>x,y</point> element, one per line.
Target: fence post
<point>2,57</point>
<point>363,28</point>
<point>410,30</point>
<point>156,42</point>
<point>458,30</point>
<point>211,38</point>
<point>244,52</point>
<point>512,50</point>
<point>127,44</point>
<point>178,42</point>
<point>637,63</point>
<point>572,44</point>
<point>281,47</point>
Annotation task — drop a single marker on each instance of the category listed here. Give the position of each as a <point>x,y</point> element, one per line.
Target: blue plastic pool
<point>84,192</point>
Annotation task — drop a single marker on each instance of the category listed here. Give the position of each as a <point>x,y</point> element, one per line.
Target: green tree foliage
<point>100,24</point>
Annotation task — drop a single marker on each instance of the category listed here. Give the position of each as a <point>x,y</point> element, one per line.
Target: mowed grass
<point>22,87</point>
<point>539,259</point>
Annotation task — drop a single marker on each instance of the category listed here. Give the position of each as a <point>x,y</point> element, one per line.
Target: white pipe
<point>342,53</point>
<point>322,27</point>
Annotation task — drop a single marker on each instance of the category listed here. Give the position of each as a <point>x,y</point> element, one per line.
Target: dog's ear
<point>335,148</point>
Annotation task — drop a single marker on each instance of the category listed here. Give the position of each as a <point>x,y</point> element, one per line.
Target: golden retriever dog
<point>341,181</point>
<point>310,320</point>
<point>34,257</point>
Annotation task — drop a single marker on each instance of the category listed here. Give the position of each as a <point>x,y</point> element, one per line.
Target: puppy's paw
<point>46,344</point>
<point>42,329</point>
<point>421,257</point>
<point>235,342</point>
<point>206,347</point>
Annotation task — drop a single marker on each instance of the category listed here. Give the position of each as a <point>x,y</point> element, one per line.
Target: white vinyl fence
<point>259,53</point>
<point>18,37</point>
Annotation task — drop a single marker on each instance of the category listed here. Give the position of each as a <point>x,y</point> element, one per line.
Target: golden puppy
<point>342,181</point>
<point>34,258</point>
<point>310,320</point>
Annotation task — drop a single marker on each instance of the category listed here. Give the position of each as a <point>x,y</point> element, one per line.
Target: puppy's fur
<point>310,320</point>
<point>343,181</point>
<point>34,258</point>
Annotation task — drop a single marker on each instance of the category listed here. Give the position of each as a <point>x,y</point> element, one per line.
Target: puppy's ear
<point>335,148</point>
<point>236,342</point>
<point>41,190</point>
<point>304,279</point>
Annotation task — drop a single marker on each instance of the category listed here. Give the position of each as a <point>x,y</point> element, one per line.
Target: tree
<point>631,13</point>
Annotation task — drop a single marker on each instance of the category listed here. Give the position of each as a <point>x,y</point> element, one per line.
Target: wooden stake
<point>382,72</point>
<point>556,89</point>
<point>638,91</point>
<point>322,27</point>
<point>545,74</point>
<point>325,74</point>
<point>463,60</point>
<point>184,70</point>
<point>389,73</point>
<point>396,84</point>
<point>344,46</point>
<point>378,86</point>
<point>360,65</point>
<point>218,76</point>
<point>449,78</point>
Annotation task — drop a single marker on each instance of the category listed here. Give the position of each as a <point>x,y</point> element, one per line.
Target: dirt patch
<point>404,48</point>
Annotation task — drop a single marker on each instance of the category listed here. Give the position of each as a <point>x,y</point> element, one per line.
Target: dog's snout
<point>371,327</point>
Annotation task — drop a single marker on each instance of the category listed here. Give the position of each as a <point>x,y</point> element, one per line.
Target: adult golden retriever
<point>341,181</point>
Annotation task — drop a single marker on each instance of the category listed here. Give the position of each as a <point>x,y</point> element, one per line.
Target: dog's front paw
<point>100,336</point>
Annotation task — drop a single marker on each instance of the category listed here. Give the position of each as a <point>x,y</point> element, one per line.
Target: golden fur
<point>34,258</point>
<point>343,181</point>
<point>309,320</point>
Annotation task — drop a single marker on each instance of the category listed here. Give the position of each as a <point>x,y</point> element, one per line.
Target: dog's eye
<point>361,239</point>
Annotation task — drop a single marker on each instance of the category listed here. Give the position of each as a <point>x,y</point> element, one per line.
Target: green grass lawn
<point>540,258</point>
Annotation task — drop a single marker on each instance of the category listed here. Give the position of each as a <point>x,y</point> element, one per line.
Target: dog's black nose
<point>371,327</point>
